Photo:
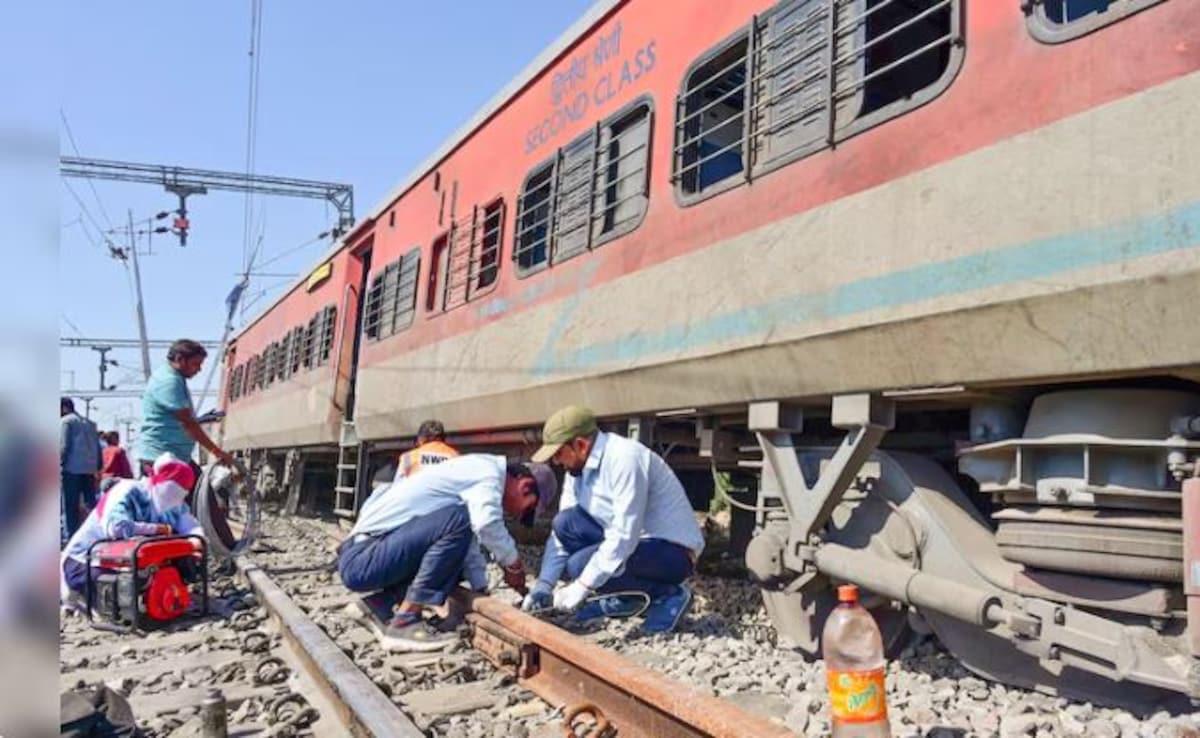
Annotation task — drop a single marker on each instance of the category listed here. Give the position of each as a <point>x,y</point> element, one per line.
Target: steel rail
<point>578,676</point>
<point>361,706</point>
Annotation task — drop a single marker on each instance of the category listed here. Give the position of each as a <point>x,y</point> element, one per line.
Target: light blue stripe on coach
<point>1172,230</point>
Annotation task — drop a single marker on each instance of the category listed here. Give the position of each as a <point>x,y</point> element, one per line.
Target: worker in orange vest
<point>431,449</point>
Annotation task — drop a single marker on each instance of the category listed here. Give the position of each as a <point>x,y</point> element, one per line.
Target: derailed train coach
<point>920,275</point>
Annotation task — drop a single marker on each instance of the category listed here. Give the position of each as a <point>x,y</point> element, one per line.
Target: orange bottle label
<point>857,696</point>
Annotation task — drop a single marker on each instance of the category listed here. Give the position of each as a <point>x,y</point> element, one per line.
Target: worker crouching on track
<point>414,538</point>
<point>151,506</point>
<point>625,528</point>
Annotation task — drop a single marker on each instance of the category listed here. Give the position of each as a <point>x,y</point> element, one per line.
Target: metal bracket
<point>510,653</point>
<point>866,418</point>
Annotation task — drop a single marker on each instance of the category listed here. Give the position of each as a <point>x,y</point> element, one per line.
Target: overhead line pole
<point>141,312</point>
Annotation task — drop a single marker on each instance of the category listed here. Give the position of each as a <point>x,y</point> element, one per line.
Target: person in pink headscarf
<point>151,506</point>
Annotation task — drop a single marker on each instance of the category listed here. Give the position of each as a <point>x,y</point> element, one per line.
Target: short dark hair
<point>114,438</point>
<point>185,348</point>
<point>431,430</point>
<point>66,403</point>
<point>519,470</point>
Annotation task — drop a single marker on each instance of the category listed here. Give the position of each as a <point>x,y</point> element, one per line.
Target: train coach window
<point>256,380</point>
<point>406,289</point>
<point>297,350</point>
<point>286,351</point>
<point>710,120</point>
<point>485,256</point>
<point>371,310</point>
<point>306,347</point>
<point>623,174</point>
<point>392,298</point>
<point>234,384</point>
<point>531,245</point>
<point>473,262</point>
<point>595,189</point>
<point>803,76</point>
<point>323,343</point>
<point>1055,21</point>
<point>569,213</point>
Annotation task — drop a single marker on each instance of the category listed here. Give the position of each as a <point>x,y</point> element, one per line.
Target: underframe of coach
<point>1040,534</point>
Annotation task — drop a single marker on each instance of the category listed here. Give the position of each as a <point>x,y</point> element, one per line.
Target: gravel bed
<point>726,646</point>
<point>223,650</point>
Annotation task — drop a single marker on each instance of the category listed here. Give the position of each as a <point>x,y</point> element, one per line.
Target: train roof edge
<point>592,16</point>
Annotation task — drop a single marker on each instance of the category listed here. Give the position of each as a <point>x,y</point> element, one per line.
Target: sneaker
<point>408,632</point>
<point>613,606</point>
<point>665,612</point>
<point>378,606</point>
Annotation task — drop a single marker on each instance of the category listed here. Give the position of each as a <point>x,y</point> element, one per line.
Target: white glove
<point>539,598</point>
<point>571,596</point>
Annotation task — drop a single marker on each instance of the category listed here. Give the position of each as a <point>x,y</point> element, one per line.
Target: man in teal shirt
<point>169,422</point>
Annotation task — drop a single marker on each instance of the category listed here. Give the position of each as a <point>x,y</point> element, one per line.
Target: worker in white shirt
<point>413,538</point>
<point>625,528</point>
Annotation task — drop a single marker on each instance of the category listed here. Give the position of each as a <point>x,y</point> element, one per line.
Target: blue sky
<point>357,92</point>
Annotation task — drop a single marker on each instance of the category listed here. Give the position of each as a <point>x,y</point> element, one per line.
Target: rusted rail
<point>584,678</point>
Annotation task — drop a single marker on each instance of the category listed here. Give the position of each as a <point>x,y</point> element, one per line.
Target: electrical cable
<point>71,137</point>
<point>87,213</point>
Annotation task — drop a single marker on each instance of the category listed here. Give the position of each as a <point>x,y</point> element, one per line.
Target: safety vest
<point>434,452</point>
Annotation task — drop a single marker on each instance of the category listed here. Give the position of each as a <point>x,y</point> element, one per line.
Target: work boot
<point>408,632</point>
<point>666,611</point>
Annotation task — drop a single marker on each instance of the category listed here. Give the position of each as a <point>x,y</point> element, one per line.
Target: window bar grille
<point>862,51</point>
<point>944,40</point>
<point>749,117</point>
<point>831,41</point>
<point>551,236</point>
<point>591,216</point>
<point>489,226</point>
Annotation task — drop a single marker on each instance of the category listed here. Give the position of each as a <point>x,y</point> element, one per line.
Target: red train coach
<point>916,274</point>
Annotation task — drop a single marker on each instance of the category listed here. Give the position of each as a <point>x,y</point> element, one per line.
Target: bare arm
<point>188,419</point>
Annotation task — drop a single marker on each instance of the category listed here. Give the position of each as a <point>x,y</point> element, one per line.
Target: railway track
<point>513,674</point>
<point>287,618</point>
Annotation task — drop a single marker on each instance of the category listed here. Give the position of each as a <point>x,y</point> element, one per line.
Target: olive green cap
<point>567,424</point>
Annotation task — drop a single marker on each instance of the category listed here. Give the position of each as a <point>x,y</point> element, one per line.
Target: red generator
<point>138,583</point>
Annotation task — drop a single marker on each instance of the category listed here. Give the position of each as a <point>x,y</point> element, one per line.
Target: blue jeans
<point>655,567</point>
<point>76,489</point>
<point>423,556</point>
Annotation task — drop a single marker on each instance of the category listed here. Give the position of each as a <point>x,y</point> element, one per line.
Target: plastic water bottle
<point>855,669</point>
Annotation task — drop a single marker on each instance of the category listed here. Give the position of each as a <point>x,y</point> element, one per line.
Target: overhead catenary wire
<point>87,215</point>
<point>236,295</point>
<point>75,147</point>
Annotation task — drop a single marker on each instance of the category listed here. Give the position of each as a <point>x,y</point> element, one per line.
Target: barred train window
<point>297,351</point>
<point>248,376</point>
<point>285,356</point>
<point>391,299</point>
<point>325,345</point>
<point>307,347</point>
<point>594,189</point>
<point>474,259</point>
<point>803,76</point>
<point>1055,21</point>
<point>234,384</point>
